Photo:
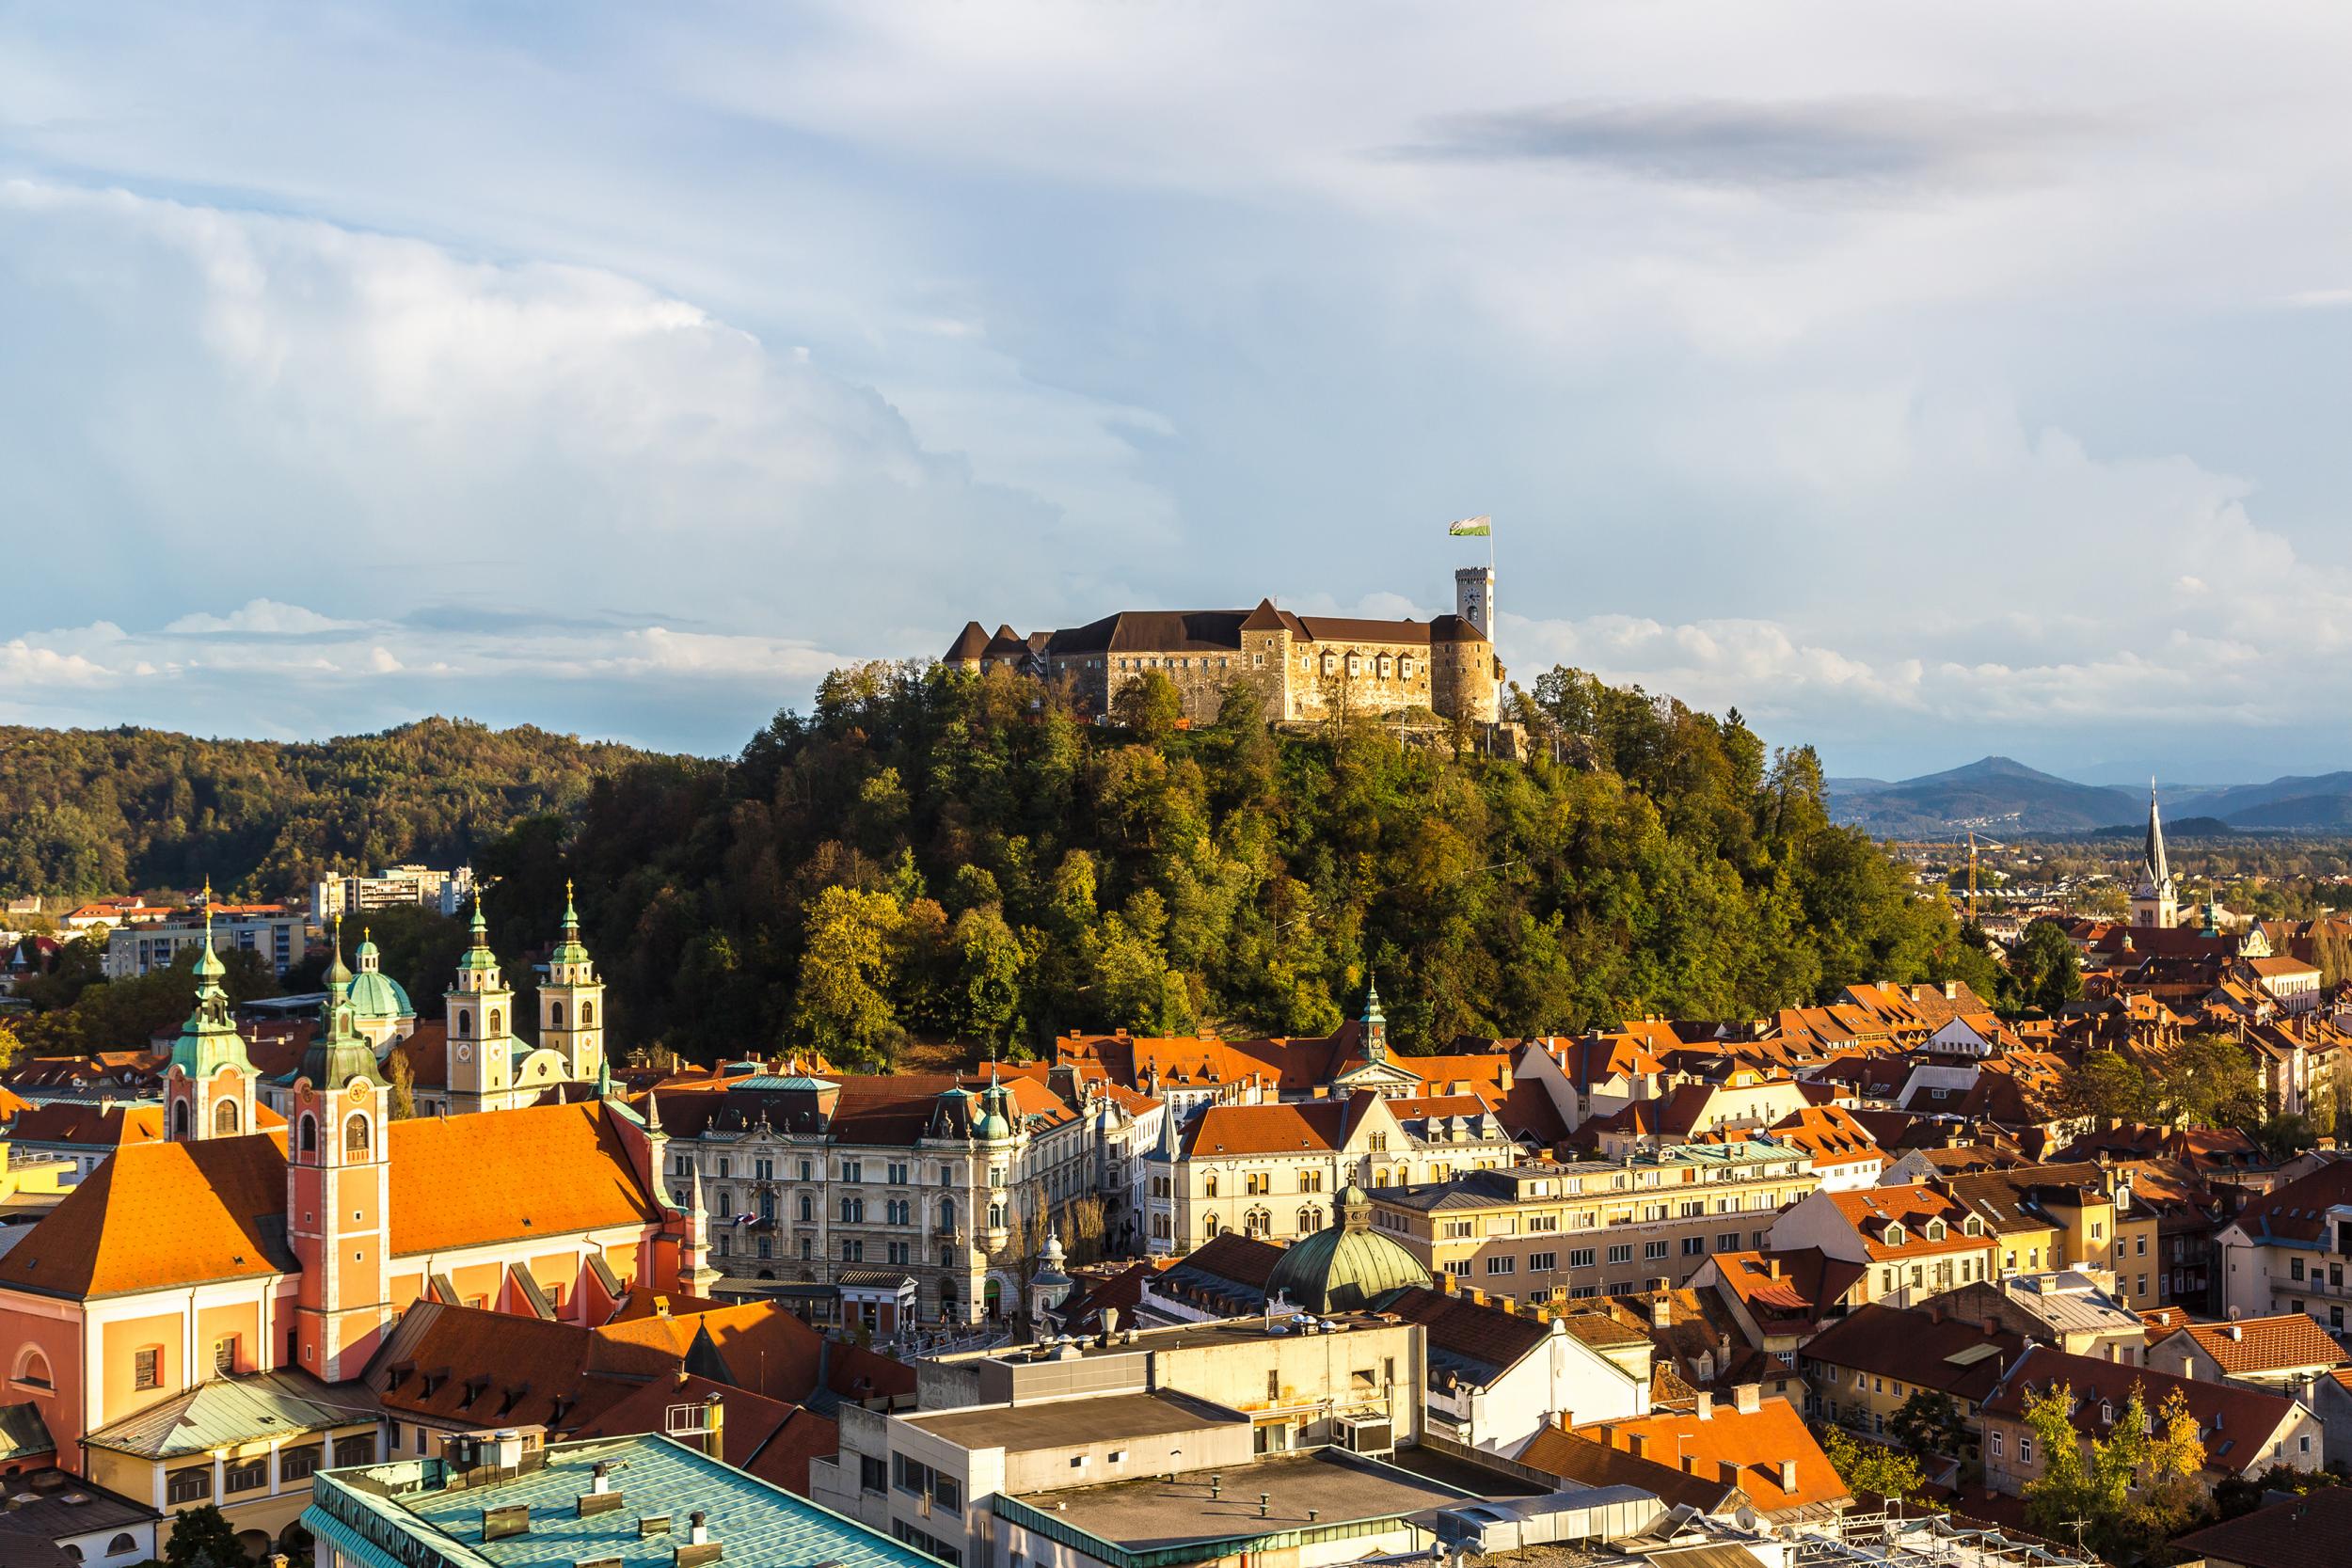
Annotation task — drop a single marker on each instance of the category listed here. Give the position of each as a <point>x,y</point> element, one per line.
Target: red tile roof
<point>2249,1345</point>
<point>1752,1443</point>
<point>160,1215</point>
<point>2236,1423</point>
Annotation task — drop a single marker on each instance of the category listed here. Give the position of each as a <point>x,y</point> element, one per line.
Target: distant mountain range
<point>1995,795</point>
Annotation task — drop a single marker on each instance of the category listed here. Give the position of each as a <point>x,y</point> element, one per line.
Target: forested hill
<point>104,811</point>
<point>926,854</point>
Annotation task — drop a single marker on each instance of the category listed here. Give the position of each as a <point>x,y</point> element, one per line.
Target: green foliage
<point>1149,705</point>
<point>201,1538</point>
<point>126,1015</point>
<point>2208,1080</point>
<point>1928,1422</point>
<point>2061,1493</point>
<point>2046,972</point>
<point>2142,1483</point>
<point>1871,1466</point>
<point>928,852</point>
<point>86,811</point>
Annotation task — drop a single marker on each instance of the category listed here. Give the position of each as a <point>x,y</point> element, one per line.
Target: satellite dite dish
<point>1745,1517</point>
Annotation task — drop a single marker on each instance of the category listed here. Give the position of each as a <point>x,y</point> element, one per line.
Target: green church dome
<point>373,993</point>
<point>1346,1266</point>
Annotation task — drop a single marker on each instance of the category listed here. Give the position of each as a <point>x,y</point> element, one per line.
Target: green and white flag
<point>1480,526</point>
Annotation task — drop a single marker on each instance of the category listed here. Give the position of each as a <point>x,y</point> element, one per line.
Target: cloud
<point>1877,143</point>
<point>260,617</point>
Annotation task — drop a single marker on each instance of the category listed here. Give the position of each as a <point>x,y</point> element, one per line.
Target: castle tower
<point>2155,902</point>
<point>339,1189</point>
<point>571,1001</point>
<point>1474,597</point>
<point>208,1089</point>
<point>480,1007</point>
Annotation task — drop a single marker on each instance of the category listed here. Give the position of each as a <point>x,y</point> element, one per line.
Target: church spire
<point>2158,872</point>
<point>1376,1024</point>
<point>340,1053</point>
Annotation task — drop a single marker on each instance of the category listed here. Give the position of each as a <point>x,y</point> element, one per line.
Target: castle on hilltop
<point>1305,666</point>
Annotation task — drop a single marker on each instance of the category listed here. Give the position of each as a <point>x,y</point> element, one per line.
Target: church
<point>472,1059</point>
<point>230,1250</point>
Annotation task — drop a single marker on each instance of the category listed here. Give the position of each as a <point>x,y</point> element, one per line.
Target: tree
<point>2171,1497</point>
<point>1871,1466</point>
<point>1149,705</point>
<point>10,1047</point>
<point>987,971</point>
<point>2210,1080</point>
<point>201,1538</point>
<point>2046,972</point>
<point>402,1099</point>
<point>2061,1493</point>
<point>2106,1084</point>
<point>1928,1422</point>
<point>843,1002</point>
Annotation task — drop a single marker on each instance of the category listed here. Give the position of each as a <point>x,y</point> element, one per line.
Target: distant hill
<point>1991,795</point>
<point>86,811</point>
<point>2000,793</point>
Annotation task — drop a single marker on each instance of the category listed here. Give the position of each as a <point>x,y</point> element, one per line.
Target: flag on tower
<point>1480,526</point>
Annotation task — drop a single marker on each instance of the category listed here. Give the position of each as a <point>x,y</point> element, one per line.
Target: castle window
<point>1355,665</point>
<point>225,1118</point>
<point>495,1021</point>
<point>180,1119</point>
<point>556,1017</point>
<point>1257,661</point>
<point>1208,1185</point>
<point>587,1014</point>
<point>223,1355</point>
<point>1331,663</point>
<point>1387,666</point>
<point>1405,668</point>
<point>355,1137</point>
<point>309,1134</point>
<point>464,1021</point>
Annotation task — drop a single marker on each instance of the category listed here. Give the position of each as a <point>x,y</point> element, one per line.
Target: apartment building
<point>277,936</point>
<point>1910,1242</point>
<point>1571,1231</point>
<point>2047,1218</point>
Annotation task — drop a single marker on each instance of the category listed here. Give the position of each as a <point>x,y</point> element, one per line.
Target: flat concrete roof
<point>1067,1424</point>
<point>1154,1512</point>
<point>1224,1331</point>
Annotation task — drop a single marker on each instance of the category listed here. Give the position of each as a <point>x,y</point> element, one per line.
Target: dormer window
<point>1894,1234</point>
<point>1972,1225</point>
<point>1936,1230</point>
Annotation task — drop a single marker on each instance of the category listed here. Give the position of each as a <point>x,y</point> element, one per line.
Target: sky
<point>1923,382</point>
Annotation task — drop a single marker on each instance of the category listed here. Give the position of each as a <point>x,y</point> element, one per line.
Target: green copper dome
<point>478,955</point>
<point>1346,1266</point>
<point>375,996</point>
<point>569,950</point>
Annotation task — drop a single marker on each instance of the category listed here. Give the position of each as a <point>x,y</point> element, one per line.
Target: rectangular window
<point>872,1474</point>
<point>1728,1242</point>
<point>1542,1262</point>
<point>1653,1250</point>
<point>1693,1246</point>
<point>1580,1258</point>
<point>223,1355</point>
<point>147,1373</point>
<point>244,1475</point>
<point>1621,1253</point>
<point>1502,1265</point>
<point>191,1485</point>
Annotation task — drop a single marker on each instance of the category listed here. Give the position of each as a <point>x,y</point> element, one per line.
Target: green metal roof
<point>376,994</point>
<point>225,1411</point>
<point>1343,1266</point>
<point>758,1526</point>
<point>22,1433</point>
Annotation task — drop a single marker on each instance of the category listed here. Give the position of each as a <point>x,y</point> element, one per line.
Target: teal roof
<point>768,1081</point>
<point>759,1526</point>
<point>225,1411</point>
<point>23,1433</point>
<point>376,994</point>
<point>1343,1267</point>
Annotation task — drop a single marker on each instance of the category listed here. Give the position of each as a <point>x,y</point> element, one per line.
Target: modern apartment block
<point>1572,1232</point>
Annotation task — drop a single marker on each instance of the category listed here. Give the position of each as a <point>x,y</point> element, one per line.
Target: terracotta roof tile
<point>2268,1345</point>
<point>1754,1443</point>
<point>544,1170</point>
<point>161,1214</point>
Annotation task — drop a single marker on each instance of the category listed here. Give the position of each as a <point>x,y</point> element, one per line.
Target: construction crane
<point>1988,844</point>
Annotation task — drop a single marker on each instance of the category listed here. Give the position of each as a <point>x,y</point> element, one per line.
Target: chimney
<point>1787,1475</point>
<point>1637,1443</point>
<point>716,1424</point>
<point>1706,1406</point>
<point>1772,1266</point>
<point>698,1529</point>
<point>1991,1325</point>
<point>1661,1314</point>
<point>2236,1331</point>
<point>1935,1312</point>
<point>1729,1470</point>
<point>1748,1397</point>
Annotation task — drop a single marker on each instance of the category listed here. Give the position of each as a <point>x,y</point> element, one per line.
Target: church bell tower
<point>208,1088</point>
<point>480,1007</point>
<point>339,1189</point>
<point>571,1001</point>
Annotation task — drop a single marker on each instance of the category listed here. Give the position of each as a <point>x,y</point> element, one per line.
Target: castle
<point>1305,666</point>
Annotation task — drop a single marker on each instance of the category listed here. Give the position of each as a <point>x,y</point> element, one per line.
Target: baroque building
<point>1304,667</point>
<point>903,1199</point>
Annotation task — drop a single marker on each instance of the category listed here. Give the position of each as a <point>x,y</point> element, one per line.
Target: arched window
<point>1208,1185</point>
<point>180,1119</point>
<point>32,1368</point>
<point>309,1134</point>
<point>1257,1222</point>
<point>495,1021</point>
<point>555,1019</point>
<point>225,1118</point>
<point>1208,1226</point>
<point>587,1014</point>
<point>355,1137</point>
<point>1310,1220</point>
<point>464,1021</point>
<point>126,1541</point>
<point>947,1214</point>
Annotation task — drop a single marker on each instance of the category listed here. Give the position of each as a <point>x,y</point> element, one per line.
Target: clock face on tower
<point>465,1052</point>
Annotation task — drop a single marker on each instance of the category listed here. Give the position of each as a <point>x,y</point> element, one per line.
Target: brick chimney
<point>1729,1470</point>
<point>1706,1406</point>
<point>1637,1443</point>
